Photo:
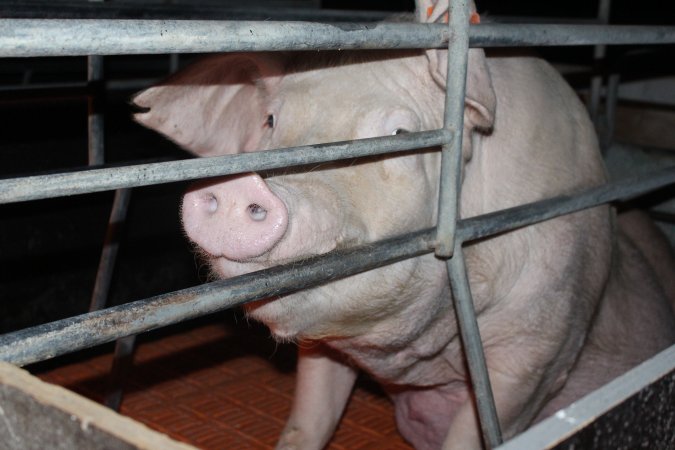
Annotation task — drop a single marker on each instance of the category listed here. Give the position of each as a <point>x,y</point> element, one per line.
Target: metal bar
<point>599,52</point>
<point>95,109</point>
<point>446,245</point>
<point>80,37</point>
<point>96,180</point>
<point>519,216</point>
<point>87,330</point>
<point>118,214</point>
<point>612,97</point>
<point>173,62</point>
<point>44,37</point>
<point>124,351</point>
<point>596,88</point>
<point>212,11</point>
<point>473,348</point>
<point>67,335</point>
<point>512,35</point>
<point>453,120</point>
<point>182,11</point>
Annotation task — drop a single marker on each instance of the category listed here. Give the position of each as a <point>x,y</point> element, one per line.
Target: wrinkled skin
<point>551,299</point>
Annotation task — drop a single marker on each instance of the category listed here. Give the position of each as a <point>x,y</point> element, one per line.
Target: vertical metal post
<point>599,52</point>
<point>447,246</point>
<point>173,62</point>
<point>124,350</point>
<point>95,113</point>
<point>97,157</point>
<point>118,213</point>
<point>611,101</point>
<point>106,264</point>
<point>473,348</point>
<point>451,154</point>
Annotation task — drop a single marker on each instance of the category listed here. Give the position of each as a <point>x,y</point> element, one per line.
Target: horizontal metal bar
<point>508,219</point>
<point>76,333</point>
<point>95,180</point>
<point>44,37</point>
<point>183,11</point>
<point>520,35</point>
<point>87,330</point>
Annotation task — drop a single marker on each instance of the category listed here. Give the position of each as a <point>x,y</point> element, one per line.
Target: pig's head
<point>247,102</point>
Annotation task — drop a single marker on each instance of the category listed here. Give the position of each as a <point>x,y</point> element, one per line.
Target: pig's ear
<point>480,97</point>
<point>218,105</point>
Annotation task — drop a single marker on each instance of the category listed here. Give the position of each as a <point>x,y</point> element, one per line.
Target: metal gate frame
<point>44,37</point>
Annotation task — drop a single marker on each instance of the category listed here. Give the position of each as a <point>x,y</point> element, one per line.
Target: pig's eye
<point>269,122</point>
<point>399,131</point>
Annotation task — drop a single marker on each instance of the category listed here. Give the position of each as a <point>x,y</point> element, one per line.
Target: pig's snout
<point>237,218</point>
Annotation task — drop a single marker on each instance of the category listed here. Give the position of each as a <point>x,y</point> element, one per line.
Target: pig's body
<point>536,290</point>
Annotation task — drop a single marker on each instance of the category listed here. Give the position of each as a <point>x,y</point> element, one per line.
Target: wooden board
<point>37,415</point>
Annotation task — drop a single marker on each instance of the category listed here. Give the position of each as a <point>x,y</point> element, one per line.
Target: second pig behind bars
<point>563,306</point>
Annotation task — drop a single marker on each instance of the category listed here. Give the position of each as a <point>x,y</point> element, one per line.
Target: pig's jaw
<point>368,317</point>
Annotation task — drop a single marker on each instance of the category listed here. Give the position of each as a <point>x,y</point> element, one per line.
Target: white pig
<point>563,306</point>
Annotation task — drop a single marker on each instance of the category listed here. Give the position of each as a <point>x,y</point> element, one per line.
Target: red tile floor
<point>220,385</point>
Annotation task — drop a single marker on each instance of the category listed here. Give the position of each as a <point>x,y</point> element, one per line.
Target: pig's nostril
<point>212,203</point>
<point>257,212</point>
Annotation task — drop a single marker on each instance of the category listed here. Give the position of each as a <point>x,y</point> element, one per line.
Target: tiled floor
<point>218,385</point>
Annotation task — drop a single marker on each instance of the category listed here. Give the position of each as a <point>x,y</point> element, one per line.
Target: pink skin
<point>255,218</point>
<point>551,299</point>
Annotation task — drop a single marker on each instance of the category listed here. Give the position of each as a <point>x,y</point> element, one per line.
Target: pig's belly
<point>424,415</point>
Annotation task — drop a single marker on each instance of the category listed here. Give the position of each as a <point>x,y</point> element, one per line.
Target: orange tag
<point>474,20</point>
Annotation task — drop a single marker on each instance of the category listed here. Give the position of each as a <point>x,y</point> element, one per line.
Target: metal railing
<point>37,37</point>
<point>83,37</point>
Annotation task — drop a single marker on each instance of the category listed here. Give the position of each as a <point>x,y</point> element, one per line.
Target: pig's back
<point>542,144</point>
<point>634,320</point>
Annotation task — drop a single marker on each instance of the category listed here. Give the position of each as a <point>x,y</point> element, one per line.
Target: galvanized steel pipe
<point>96,180</point>
<point>473,348</point>
<point>76,333</point>
<point>446,244</point>
<point>453,120</point>
<point>80,37</point>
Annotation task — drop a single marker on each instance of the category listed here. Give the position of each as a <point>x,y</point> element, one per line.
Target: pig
<point>563,306</point>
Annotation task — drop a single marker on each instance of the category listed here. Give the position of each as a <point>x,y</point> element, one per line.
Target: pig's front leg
<point>323,386</point>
